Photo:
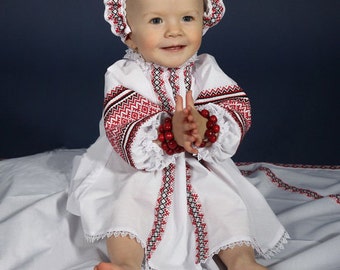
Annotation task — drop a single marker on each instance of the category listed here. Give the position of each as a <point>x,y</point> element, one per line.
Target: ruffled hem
<point>267,255</point>
<point>259,253</point>
<point>230,246</point>
<point>228,141</point>
<point>147,155</point>
<point>276,249</point>
<point>94,238</point>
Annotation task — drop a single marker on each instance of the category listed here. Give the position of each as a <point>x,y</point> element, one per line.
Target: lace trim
<point>276,249</point>
<point>267,255</point>
<point>145,266</point>
<point>228,140</point>
<point>94,238</point>
<point>147,155</point>
<point>231,246</point>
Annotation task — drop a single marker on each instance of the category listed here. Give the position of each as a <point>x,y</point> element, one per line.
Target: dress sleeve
<point>130,122</point>
<point>232,108</point>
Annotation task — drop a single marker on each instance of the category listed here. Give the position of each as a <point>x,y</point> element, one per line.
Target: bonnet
<point>115,15</point>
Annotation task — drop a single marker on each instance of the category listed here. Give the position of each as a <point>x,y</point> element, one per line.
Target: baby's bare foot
<point>251,266</point>
<point>111,266</point>
<point>106,266</point>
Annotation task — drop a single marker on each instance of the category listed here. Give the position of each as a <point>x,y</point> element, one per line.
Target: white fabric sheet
<point>36,231</point>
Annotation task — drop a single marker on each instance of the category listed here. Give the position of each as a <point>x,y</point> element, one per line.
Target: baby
<point>159,183</point>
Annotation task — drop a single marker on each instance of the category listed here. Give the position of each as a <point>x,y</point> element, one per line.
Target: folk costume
<point>181,208</point>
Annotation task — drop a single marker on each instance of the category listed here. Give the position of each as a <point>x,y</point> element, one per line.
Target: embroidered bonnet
<point>115,15</point>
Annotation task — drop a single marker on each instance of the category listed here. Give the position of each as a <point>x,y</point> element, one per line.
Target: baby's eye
<point>156,20</point>
<point>188,18</point>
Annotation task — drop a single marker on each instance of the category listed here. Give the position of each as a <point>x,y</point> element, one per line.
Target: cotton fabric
<point>36,231</point>
<point>183,208</point>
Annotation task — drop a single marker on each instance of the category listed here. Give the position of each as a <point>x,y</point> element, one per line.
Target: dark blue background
<point>285,54</point>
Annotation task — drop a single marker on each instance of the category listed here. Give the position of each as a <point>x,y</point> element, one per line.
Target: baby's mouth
<point>174,48</point>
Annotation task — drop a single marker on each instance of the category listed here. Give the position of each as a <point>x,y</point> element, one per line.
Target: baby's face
<point>165,32</point>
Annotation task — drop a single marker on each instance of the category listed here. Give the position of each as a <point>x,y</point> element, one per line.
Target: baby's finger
<point>189,127</point>
<point>198,140</point>
<point>189,99</point>
<point>188,147</point>
<point>179,103</point>
<point>190,117</point>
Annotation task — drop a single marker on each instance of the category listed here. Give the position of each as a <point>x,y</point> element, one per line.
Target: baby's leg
<point>240,258</point>
<point>125,254</point>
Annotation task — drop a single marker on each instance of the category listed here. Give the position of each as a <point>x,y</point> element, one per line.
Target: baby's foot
<point>106,266</point>
<point>251,266</point>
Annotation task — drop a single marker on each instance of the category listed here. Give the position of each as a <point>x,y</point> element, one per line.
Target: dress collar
<point>135,56</point>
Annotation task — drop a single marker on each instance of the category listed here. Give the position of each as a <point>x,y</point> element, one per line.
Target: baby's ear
<point>130,43</point>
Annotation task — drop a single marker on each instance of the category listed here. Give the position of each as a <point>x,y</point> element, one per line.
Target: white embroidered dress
<point>182,209</point>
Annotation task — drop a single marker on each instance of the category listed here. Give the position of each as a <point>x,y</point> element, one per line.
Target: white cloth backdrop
<point>36,231</point>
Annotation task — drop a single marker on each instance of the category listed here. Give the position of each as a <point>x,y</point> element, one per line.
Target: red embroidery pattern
<point>158,86</point>
<point>297,166</point>
<point>335,197</point>
<point>302,166</point>
<point>116,16</point>
<point>217,13</point>
<point>232,99</point>
<point>174,80</point>
<point>282,185</point>
<point>162,209</point>
<point>239,108</point>
<point>187,76</point>
<point>197,219</point>
<point>119,90</point>
<point>124,112</point>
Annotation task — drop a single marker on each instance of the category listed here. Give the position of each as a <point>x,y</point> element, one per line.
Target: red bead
<point>167,120</point>
<point>165,146</point>
<point>213,118</point>
<point>168,135</point>
<point>208,133</point>
<point>161,129</point>
<point>205,113</point>
<point>167,126</point>
<point>216,128</point>
<point>212,138</point>
<point>179,149</point>
<point>202,144</point>
<point>170,151</point>
<point>172,145</point>
<point>210,124</point>
<point>161,137</point>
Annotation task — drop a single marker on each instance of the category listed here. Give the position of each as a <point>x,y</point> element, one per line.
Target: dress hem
<point>115,233</point>
<point>279,246</point>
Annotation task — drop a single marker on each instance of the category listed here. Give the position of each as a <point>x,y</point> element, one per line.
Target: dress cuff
<point>146,153</point>
<point>228,139</point>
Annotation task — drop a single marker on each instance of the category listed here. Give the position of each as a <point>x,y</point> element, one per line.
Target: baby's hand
<point>184,130</point>
<point>196,118</point>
